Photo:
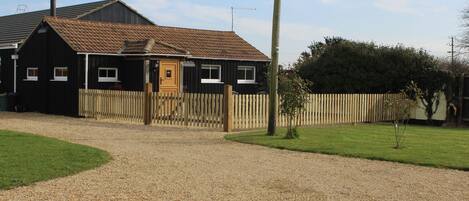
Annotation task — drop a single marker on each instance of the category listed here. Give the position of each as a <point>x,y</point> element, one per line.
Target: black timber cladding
<point>46,51</point>
<point>130,72</point>
<point>15,28</point>
<point>6,72</point>
<point>192,77</point>
<point>117,13</point>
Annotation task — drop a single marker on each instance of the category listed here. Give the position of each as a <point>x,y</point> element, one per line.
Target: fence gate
<point>197,110</point>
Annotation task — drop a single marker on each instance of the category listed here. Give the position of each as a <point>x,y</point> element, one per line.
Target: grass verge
<point>26,158</point>
<point>425,146</point>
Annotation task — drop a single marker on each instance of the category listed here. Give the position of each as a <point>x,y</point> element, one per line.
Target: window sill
<point>109,81</point>
<point>247,82</point>
<point>59,80</point>
<point>29,80</point>
<point>212,83</point>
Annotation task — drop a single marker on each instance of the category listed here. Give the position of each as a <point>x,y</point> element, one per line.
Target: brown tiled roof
<point>110,38</point>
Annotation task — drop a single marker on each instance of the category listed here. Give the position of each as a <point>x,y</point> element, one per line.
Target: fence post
<point>186,109</point>
<point>228,108</point>
<point>98,105</point>
<point>147,102</point>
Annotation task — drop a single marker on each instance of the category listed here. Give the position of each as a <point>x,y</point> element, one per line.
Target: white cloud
<point>328,1</point>
<point>402,6</point>
<point>414,7</point>
<point>295,37</point>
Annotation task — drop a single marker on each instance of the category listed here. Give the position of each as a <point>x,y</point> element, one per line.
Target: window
<point>211,74</point>
<point>246,75</point>
<point>32,74</point>
<point>169,73</point>
<point>60,74</point>
<point>108,75</point>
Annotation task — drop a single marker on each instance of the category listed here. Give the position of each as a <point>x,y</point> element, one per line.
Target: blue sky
<point>424,24</point>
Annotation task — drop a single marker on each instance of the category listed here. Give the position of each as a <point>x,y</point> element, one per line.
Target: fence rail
<point>247,111</point>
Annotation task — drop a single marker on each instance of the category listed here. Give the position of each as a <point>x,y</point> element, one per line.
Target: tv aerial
<point>21,8</point>
<point>233,9</point>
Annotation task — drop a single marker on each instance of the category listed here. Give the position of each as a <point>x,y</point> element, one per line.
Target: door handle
<point>161,80</point>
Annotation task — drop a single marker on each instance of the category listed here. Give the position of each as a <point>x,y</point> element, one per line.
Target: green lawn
<point>427,146</point>
<point>26,158</point>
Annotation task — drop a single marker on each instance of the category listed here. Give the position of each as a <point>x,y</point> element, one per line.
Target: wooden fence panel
<point>194,110</point>
<point>118,105</point>
<point>201,110</point>
<point>251,111</point>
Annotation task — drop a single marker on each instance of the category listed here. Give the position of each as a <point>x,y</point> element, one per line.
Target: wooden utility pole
<point>452,51</point>
<point>273,103</point>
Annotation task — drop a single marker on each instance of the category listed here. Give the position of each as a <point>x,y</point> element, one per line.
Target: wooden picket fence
<point>116,105</point>
<point>247,111</point>
<point>251,111</point>
<point>196,110</point>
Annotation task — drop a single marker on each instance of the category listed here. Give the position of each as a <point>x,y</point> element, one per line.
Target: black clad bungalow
<point>14,29</point>
<point>63,55</point>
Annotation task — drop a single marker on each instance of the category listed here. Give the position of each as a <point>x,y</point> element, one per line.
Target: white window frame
<point>244,80</point>
<point>212,81</point>
<point>108,79</point>
<point>60,78</point>
<point>31,78</point>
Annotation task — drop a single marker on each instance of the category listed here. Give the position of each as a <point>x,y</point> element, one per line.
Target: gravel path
<point>153,163</point>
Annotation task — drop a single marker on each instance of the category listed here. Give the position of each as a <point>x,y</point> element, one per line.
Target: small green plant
<point>401,108</point>
<point>294,93</point>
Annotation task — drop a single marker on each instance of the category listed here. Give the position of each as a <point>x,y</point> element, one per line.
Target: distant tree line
<point>338,65</point>
<point>343,66</point>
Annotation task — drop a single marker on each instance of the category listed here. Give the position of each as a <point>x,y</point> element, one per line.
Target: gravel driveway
<point>152,163</point>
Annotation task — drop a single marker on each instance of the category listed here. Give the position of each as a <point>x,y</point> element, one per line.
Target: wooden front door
<point>169,76</point>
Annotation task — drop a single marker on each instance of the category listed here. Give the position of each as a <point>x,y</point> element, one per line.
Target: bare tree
<point>456,69</point>
<point>401,108</point>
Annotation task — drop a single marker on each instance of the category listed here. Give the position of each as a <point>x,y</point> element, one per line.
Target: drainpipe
<point>181,77</point>
<point>86,70</point>
<point>15,58</point>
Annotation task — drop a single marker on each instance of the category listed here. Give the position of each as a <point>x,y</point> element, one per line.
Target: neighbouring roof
<point>15,28</point>
<point>113,38</point>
